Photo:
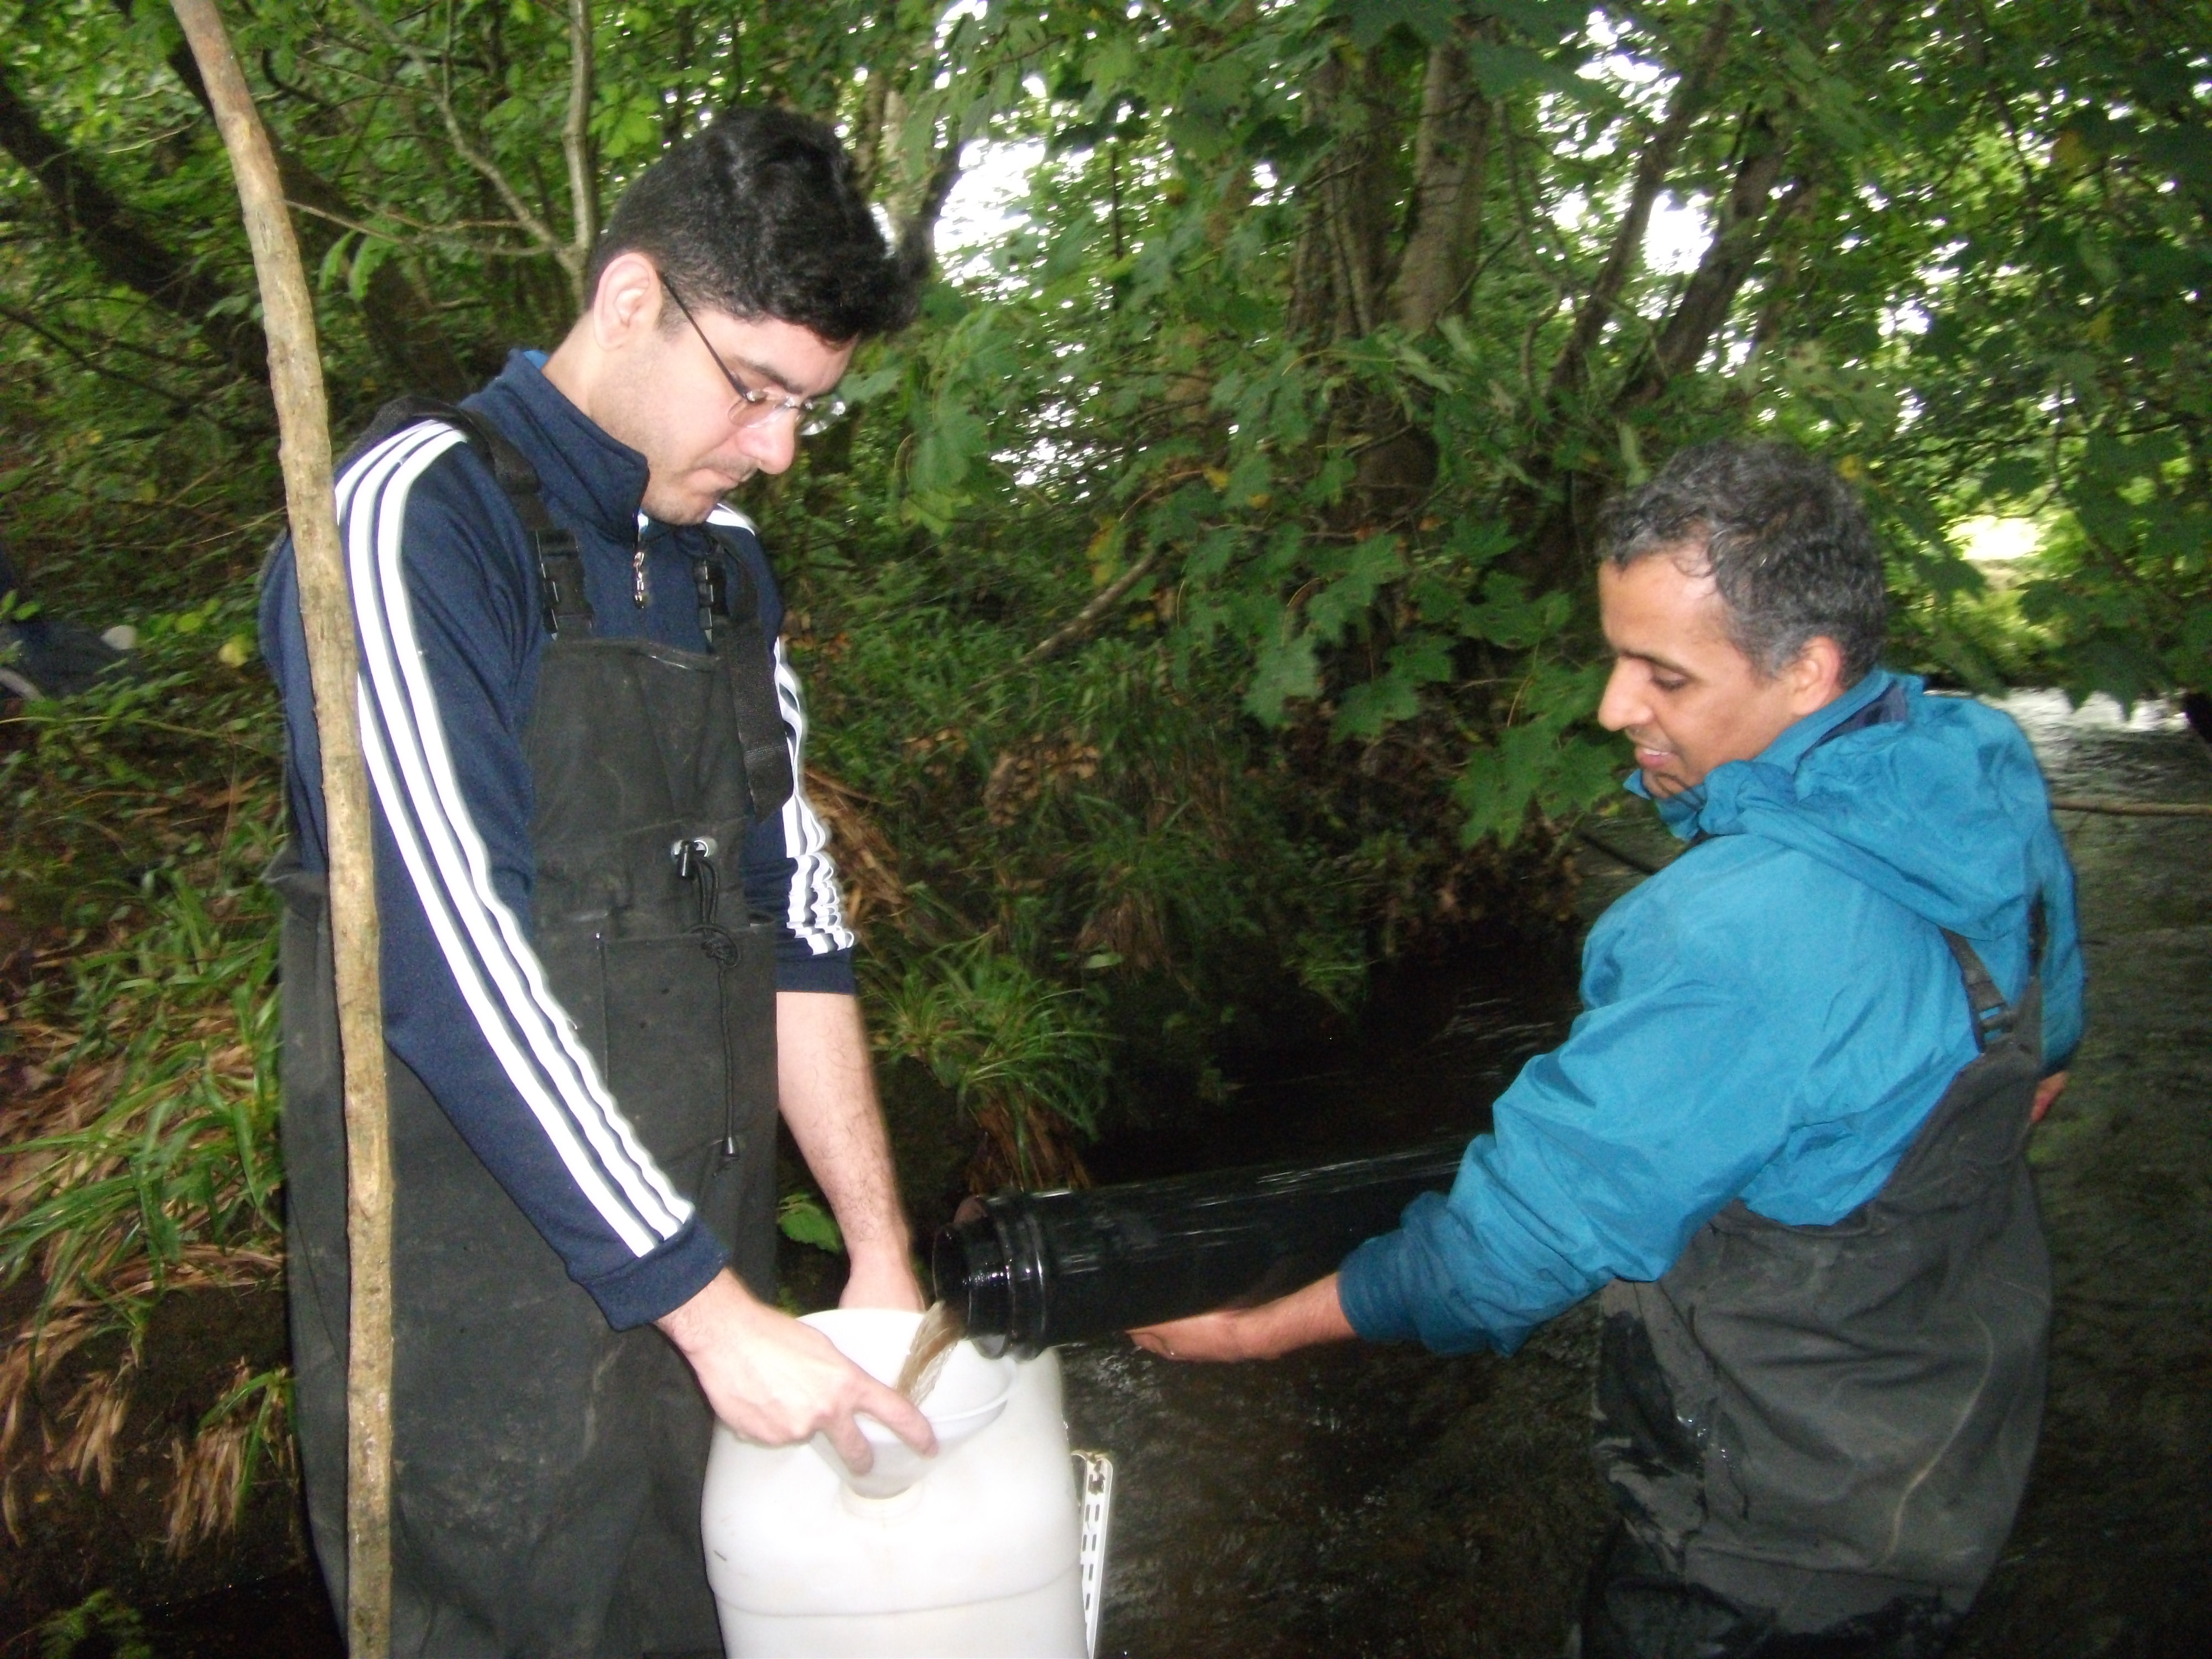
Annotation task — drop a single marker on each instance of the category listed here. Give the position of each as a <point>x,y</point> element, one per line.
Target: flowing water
<point>940,1329</point>
<point>1380,1501</point>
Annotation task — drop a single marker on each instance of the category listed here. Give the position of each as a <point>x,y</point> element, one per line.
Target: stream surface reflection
<point>1381,1501</point>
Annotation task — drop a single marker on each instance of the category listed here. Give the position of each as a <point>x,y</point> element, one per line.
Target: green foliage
<point>158,1021</point>
<point>801,1218</point>
<point>178,1032</point>
<point>994,1032</point>
<point>1313,541</point>
<point>101,1619</point>
<point>139,1046</point>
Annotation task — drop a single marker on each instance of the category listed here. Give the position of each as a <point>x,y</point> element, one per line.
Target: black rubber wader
<point>1818,1435</point>
<point>548,1469</point>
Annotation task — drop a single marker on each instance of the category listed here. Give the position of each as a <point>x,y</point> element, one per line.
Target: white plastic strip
<point>1097,1517</point>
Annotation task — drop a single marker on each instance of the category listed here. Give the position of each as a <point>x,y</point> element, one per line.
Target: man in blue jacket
<point>612,948</point>
<point>1785,1137</point>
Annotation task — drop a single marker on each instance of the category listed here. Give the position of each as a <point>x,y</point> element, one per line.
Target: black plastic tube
<point>1034,1269</point>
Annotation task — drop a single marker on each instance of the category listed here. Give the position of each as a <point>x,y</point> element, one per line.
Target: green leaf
<point>2015,476</point>
<point>1371,20</point>
<point>374,251</point>
<point>1248,484</point>
<point>1501,68</point>
<point>1542,20</point>
<point>1501,780</point>
<point>955,436</point>
<point>1212,555</point>
<point>1364,710</point>
<point>801,1218</point>
<point>1416,363</point>
<point>333,266</point>
<point>1286,667</point>
<point>1064,257</point>
<point>1507,617</point>
<point>1365,567</point>
<point>1417,660</point>
<point>864,387</point>
<point>1111,66</point>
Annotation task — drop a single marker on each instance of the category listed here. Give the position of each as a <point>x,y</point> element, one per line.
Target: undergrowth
<point>138,1047</point>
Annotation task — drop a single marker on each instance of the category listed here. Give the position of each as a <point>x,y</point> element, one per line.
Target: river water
<point>1361,1501</point>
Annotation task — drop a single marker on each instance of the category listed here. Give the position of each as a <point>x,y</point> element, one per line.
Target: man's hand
<point>776,1381</point>
<point>2046,1095</point>
<point>1297,1321</point>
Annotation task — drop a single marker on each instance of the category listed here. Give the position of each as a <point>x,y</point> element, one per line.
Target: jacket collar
<point>1681,812</point>
<point>592,480</point>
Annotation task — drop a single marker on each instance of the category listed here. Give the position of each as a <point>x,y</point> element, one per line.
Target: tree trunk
<point>1451,163</point>
<point>1745,228</point>
<point>917,229</point>
<point>1343,266</point>
<point>1551,504</point>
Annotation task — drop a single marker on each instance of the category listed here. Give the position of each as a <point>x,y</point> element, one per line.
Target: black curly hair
<point>760,216</point>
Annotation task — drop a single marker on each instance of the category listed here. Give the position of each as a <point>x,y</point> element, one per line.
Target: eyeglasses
<point>757,404</point>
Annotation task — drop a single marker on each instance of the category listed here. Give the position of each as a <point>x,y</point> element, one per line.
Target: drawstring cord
<point>695,863</point>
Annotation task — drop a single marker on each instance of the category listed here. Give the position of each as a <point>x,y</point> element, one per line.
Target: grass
<point>138,1048</point>
<point>1023,1058</point>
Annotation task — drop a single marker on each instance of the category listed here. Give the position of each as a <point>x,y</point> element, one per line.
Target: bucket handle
<point>1097,1487</point>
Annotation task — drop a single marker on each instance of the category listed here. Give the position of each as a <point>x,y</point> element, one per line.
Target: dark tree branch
<point>1102,603</point>
<point>1656,162</point>
<point>126,256</point>
<point>1745,226</point>
<point>398,322</point>
<point>180,403</point>
<point>1343,270</point>
<point>917,232</point>
<point>1088,618</point>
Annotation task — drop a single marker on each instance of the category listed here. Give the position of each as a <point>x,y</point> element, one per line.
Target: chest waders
<point>1818,1435</point>
<point>548,1469</point>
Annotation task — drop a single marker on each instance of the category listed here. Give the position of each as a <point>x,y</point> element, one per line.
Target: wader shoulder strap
<point>1992,1015</point>
<point>730,599</point>
<point>560,568</point>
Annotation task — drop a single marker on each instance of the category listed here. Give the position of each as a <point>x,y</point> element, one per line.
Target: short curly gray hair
<point>1786,541</point>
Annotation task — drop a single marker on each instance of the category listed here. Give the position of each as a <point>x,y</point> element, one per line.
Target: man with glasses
<point>612,945</point>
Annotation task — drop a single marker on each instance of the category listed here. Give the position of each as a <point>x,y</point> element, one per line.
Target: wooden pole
<point>295,375</point>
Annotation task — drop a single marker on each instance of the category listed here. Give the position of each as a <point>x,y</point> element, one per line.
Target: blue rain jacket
<point>1769,1017</point>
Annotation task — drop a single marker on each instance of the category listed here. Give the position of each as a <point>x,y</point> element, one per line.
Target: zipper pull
<point>638,595</point>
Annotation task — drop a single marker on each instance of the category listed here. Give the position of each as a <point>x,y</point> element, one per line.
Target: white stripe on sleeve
<point>499,975</point>
<point>816,908</point>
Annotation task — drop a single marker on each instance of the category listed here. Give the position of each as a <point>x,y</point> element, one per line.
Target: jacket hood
<point>1934,802</point>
